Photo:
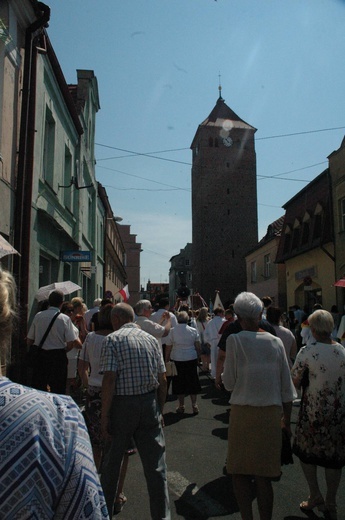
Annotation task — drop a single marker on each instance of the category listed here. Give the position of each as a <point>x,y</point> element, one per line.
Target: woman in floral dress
<point>320,431</point>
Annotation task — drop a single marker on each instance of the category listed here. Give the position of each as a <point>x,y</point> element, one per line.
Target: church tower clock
<point>224,203</point>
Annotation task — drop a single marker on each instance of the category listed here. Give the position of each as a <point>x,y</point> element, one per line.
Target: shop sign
<point>75,256</point>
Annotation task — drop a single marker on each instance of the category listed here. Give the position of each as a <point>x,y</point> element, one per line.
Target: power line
<point>300,133</point>
<point>177,188</point>
<point>152,155</point>
<point>278,175</point>
<point>143,178</point>
<point>132,153</point>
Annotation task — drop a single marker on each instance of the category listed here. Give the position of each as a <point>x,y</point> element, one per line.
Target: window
<point>210,141</point>
<point>295,238</point>
<point>287,240</point>
<point>317,227</point>
<point>305,229</point>
<point>342,214</point>
<point>49,147</point>
<point>253,272</point>
<point>267,266</point>
<point>317,222</point>
<point>305,233</point>
<point>67,192</point>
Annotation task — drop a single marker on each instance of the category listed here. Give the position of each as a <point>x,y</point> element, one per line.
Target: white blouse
<point>256,370</point>
<point>183,339</point>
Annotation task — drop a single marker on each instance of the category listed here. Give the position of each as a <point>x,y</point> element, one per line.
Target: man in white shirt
<point>143,310</point>
<point>51,367</point>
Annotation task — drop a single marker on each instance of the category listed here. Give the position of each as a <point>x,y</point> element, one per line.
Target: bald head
<point>120,314</point>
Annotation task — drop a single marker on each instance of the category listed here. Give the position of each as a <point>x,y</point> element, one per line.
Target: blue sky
<point>157,62</point>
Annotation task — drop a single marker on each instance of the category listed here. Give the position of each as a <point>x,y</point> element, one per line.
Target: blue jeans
<point>139,417</point>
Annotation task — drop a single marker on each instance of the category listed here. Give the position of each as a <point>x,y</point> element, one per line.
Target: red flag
<point>124,293</point>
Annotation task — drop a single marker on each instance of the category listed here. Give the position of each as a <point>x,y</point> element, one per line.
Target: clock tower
<point>224,203</point>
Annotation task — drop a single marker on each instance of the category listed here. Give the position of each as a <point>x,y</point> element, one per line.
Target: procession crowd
<point>59,463</point>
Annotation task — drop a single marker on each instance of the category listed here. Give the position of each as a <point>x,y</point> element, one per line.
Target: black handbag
<point>34,350</point>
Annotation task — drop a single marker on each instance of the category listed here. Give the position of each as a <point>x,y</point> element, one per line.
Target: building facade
<point>154,292</point>
<point>19,21</point>
<point>180,273</point>
<point>49,203</point>
<point>307,246</point>
<point>224,203</point>
<point>132,262</point>
<point>265,277</point>
<point>115,275</point>
<point>65,213</point>
<point>337,172</point>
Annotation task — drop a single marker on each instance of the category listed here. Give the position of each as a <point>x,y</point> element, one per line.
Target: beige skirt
<point>255,440</point>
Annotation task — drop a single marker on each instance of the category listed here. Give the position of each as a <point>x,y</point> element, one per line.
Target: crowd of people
<point>65,464</point>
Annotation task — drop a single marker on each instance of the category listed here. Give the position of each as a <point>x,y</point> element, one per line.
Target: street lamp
<point>115,218</point>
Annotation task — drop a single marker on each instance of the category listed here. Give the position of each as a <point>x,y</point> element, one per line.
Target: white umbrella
<point>6,248</point>
<point>66,287</point>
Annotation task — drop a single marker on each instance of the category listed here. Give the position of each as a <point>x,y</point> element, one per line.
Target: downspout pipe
<point>24,184</point>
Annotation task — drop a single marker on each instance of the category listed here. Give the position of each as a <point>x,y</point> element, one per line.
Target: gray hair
<point>124,312</point>
<point>321,322</point>
<point>182,317</point>
<point>248,306</point>
<point>142,305</point>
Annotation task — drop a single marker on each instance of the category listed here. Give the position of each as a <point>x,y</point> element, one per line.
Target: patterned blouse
<point>320,430</point>
<point>46,463</point>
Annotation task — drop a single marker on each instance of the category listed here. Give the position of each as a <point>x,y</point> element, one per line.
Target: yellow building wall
<point>317,265</point>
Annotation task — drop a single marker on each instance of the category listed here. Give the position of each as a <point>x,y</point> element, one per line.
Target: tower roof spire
<point>220,87</point>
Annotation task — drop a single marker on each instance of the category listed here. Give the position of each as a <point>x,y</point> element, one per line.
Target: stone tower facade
<point>224,203</point>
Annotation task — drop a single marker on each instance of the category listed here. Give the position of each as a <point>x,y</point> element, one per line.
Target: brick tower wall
<point>224,212</point>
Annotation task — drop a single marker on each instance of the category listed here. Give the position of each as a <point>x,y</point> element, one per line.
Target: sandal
<point>119,503</point>
<point>180,409</point>
<point>195,409</point>
<point>309,505</point>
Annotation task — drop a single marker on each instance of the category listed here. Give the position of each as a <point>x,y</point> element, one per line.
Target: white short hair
<point>141,306</point>
<point>321,322</point>
<point>248,306</point>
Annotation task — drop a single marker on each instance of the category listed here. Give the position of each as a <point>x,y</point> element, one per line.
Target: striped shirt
<point>136,357</point>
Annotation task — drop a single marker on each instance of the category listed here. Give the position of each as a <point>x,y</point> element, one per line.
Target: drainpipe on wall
<point>22,215</point>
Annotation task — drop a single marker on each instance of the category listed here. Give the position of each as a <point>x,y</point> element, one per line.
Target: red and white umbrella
<point>340,283</point>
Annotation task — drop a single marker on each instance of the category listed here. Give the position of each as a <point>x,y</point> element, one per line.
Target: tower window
<point>216,143</point>
<point>210,141</point>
